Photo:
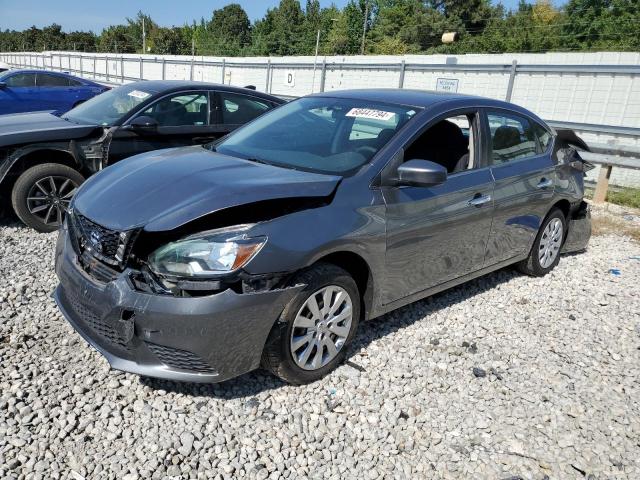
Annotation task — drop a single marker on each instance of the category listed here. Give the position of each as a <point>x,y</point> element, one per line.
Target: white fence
<point>597,94</point>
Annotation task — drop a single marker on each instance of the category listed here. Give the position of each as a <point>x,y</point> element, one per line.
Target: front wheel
<point>42,193</point>
<point>316,326</point>
<point>545,253</point>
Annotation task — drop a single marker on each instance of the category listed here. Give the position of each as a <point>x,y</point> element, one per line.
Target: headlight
<point>206,254</point>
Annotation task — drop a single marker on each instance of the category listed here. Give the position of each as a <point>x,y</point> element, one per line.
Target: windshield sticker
<point>139,94</point>
<point>370,113</point>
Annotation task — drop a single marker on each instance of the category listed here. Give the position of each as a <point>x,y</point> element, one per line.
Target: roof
<point>166,86</point>
<point>50,72</point>
<point>424,99</point>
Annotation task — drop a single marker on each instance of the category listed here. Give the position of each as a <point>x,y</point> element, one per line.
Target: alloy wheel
<point>321,327</point>
<point>49,198</point>
<point>550,243</point>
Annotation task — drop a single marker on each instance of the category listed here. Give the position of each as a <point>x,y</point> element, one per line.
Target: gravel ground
<point>504,377</point>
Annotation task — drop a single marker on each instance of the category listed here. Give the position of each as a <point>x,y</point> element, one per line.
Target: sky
<point>95,15</point>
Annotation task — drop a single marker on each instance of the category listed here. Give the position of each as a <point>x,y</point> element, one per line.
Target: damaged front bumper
<point>198,339</point>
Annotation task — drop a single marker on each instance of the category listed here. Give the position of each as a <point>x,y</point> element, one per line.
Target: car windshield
<point>318,134</point>
<point>109,107</point>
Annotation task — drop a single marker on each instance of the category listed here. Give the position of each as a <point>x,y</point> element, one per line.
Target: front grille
<point>180,359</point>
<point>101,251</point>
<point>98,270</point>
<point>95,323</point>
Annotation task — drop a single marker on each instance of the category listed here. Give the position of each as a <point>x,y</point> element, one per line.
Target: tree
<point>117,39</point>
<point>170,41</point>
<point>228,32</point>
<point>135,29</point>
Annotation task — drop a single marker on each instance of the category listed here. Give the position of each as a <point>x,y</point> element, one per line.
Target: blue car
<point>39,90</point>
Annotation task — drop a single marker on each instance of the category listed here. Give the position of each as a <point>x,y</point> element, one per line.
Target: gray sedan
<point>271,245</point>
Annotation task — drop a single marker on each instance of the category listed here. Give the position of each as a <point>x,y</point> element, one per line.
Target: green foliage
<point>392,27</point>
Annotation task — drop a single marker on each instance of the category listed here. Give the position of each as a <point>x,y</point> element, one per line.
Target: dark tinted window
<point>512,138</point>
<point>74,83</point>
<point>238,109</point>
<point>46,80</point>
<point>21,80</point>
<point>180,109</point>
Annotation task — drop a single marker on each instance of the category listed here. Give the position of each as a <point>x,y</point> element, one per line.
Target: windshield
<point>318,134</point>
<point>109,107</point>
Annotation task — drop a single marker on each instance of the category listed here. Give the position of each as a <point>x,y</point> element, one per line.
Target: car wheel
<point>42,194</point>
<point>317,325</point>
<point>545,253</point>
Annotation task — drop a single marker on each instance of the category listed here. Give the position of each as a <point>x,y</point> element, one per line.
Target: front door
<point>525,176</point>
<point>20,94</point>
<point>439,233</point>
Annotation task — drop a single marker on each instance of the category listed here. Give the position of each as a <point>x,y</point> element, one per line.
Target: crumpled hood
<point>165,189</point>
<point>22,128</point>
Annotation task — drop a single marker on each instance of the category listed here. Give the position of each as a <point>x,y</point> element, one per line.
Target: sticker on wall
<point>447,85</point>
<point>290,78</point>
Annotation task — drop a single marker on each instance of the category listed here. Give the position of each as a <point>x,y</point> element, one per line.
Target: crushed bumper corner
<point>197,339</point>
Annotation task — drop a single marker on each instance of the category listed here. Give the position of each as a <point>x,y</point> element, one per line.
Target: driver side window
<point>180,110</point>
<point>21,80</point>
<point>450,142</point>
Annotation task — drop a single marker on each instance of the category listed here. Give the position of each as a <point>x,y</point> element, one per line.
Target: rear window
<point>46,80</point>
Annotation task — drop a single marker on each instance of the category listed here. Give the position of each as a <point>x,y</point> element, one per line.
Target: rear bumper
<point>579,229</point>
<point>203,339</point>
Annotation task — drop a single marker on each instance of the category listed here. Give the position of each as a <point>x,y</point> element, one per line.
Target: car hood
<point>165,189</point>
<point>23,128</point>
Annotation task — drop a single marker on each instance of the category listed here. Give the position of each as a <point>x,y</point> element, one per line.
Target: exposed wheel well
<point>358,268</point>
<point>564,206</point>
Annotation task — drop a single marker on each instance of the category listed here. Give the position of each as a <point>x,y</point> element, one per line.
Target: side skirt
<point>381,310</point>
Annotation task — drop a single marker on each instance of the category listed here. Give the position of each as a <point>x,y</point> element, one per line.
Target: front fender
<point>16,155</point>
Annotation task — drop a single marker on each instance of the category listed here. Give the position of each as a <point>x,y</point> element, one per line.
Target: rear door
<point>54,92</point>
<point>183,119</point>
<point>525,177</point>
<point>20,94</point>
<point>232,110</point>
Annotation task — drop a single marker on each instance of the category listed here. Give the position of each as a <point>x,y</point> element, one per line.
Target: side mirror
<point>421,173</point>
<point>3,85</point>
<point>144,123</point>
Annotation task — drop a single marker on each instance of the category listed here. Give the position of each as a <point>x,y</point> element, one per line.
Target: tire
<point>37,210</point>
<point>536,264</point>
<point>278,354</point>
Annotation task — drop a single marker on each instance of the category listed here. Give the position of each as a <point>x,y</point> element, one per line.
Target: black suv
<point>44,158</point>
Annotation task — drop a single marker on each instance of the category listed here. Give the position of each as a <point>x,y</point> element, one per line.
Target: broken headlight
<point>206,254</point>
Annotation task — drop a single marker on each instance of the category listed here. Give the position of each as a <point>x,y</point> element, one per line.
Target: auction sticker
<point>370,113</point>
<point>139,94</point>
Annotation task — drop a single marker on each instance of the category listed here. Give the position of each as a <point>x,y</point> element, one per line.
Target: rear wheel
<point>545,253</point>
<point>316,327</point>
<point>42,194</point>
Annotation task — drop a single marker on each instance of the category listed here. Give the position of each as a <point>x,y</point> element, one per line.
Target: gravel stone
<point>560,356</point>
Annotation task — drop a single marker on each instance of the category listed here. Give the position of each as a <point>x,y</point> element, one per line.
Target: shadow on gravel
<point>246,385</point>
<point>259,381</point>
<point>406,316</point>
<point>8,219</point>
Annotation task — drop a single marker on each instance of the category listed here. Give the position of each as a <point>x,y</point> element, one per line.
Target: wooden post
<point>603,184</point>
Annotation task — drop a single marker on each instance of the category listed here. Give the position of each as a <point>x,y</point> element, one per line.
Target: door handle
<point>544,183</point>
<point>479,200</point>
